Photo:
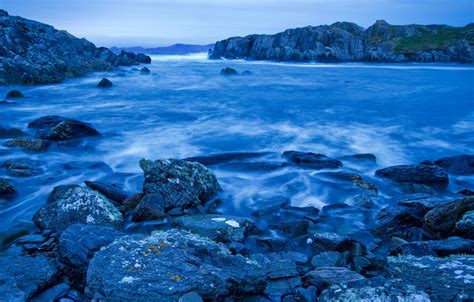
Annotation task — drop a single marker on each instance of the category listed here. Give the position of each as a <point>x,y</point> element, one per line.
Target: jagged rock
<point>221,228</point>
<point>145,70</point>
<point>29,144</point>
<point>465,226</point>
<point>58,128</point>
<point>105,83</point>
<point>68,205</point>
<point>11,133</point>
<point>215,159</point>
<point>440,248</point>
<point>327,259</point>
<point>229,72</point>
<point>110,191</point>
<point>14,94</point>
<point>273,244</point>
<point>6,188</point>
<point>22,167</point>
<point>328,275</point>
<point>443,218</point>
<point>447,277</point>
<point>22,277</point>
<point>459,165</point>
<point>79,242</point>
<point>311,160</point>
<point>395,219</point>
<point>428,175</point>
<point>166,265</point>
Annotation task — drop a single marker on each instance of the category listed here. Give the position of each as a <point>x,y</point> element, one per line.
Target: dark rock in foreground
<point>6,188</point>
<point>459,165</point>
<point>229,72</point>
<point>105,83</point>
<point>14,94</point>
<point>68,205</point>
<point>166,265</point>
<point>58,128</point>
<point>311,160</point>
<point>428,175</point>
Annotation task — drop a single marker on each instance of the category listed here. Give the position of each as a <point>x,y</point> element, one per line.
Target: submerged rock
<point>11,133</point>
<point>68,205</point>
<point>14,94</point>
<point>6,188</point>
<point>221,228</point>
<point>229,72</point>
<point>166,265</point>
<point>29,144</point>
<point>104,83</point>
<point>215,159</point>
<point>246,73</point>
<point>312,160</point>
<point>459,165</point>
<point>22,167</point>
<point>111,191</point>
<point>395,219</point>
<point>145,70</point>
<point>415,174</point>
<point>355,179</point>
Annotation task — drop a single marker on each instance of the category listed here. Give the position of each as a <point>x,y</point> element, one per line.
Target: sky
<point>164,22</point>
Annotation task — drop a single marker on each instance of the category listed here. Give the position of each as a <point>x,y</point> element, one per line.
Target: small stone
<point>145,70</point>
<point>14,94</point>
<point>229,72</point>
<point>105,83</point>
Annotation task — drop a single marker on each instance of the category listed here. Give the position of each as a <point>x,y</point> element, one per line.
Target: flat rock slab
<point>166,265</point>
<point>330,275</point>
<point>311,160</point>
<point>428,175</point>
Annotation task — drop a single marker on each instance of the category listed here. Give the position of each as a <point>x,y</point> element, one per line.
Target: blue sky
<point>154,23</point>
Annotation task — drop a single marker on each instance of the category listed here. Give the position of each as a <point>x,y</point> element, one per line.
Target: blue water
<point>401,113</point>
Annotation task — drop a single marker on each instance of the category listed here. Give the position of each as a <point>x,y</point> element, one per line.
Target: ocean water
<point>401,113</point>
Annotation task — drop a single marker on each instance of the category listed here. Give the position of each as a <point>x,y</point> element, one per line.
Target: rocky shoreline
<point>33,53</point>
<point>173,242</point>
<point>349,42</point>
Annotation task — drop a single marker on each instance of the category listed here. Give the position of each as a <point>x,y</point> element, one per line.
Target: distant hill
<point>176,49</point>
<point>344,41</point>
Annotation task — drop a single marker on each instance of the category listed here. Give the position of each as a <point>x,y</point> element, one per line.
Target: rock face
<point>36,53</point>
<point>166,265</point>
<point>68,205</point>
<point>344,41</point>
<point>58,128</point>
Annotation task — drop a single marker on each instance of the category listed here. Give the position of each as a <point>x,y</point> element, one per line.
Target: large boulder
<point>443,218</point>
<point>329,275</point>
<point>176,184</point>
<point>58,128</point>
<point>465,226</point>
<point>395,219</point>
<point>21,277</point>
<point>311,160</point>
<point>166,265</point>
<point>460,164</point>
<point>428,175</point>
<point>68,205</point>
<point>440,248</point>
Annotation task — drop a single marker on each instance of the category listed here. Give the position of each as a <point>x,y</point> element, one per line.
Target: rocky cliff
<point>35,53</point>
<point>344,41</point>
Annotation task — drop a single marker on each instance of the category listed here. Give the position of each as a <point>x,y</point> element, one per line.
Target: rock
<point>220,228</point>
<point>111,191</point>
<point>328,275</point>
<point>327,259</point>
<point>132,201</point>
<point>78,243</point>
<point>32,238</point>
<point>52,294</point>
<point>177,184</point>
<point>58,128</point>
<point>22,277</point>
<point>395,219</point>
<point>267,206</point>
<point>355,179</point>
<point>452,274</point>
<point>22,167</point>
<point>273,244</point>
<point>311,160</point>
<point>246,73</point>
<point>283,268</point>
<point>221,158</point>
<point>229,72</point>
<point>105,83</point>
<point>363,200</point>
<point>14,94</point>
<point>68,205</point>
<point>365,156</point>
<point>431,176</point>
<point>466,192</point>
<point>422,202</point>
<point>294,228</point>
<point>29,144</point>
<point>6,188</point>
<point>145,70</point>
<point>9,235</point>
<point>296,257</point>
<point>459,165</point>
<point>443,218</point>
<point>47,122</point>
<point>11,133</point>
<point>278,288</point>
<point>3,13</point>
<point>168,264</point>
<point>465,226</point>
<point>437,248</point>
<point>190,297</point>
<point>325,241</point>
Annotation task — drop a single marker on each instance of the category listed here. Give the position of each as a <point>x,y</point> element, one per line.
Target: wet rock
<point>46,122</point>
<point>177,184</point>
<point>271,205</point>
<point>254,166</point>
<point>395,219</point>
<point>166,265</point>
<point>443,218</point>
<point>364,200</point>
<point>132,201</point>
<point>327,259</point>
<point>6,188</point>
<point>29,144</point>
<point>68,205</point>
<point>465,226</point>
<point>440,248</point>
<point>32,238</point>
<point>145,70</point>
<point>105,83</point>
<point>277,288</point>
<point>58,128</point>
<point>14,94</point>
<point>246,73</point>
<point>215,159</point>
<point>454,275</point>
<point>79,242</point>
<point>355,179</point>
<point>22,167</point>
<point>328,275</point>
<point>294,228</point>
<point>229,72</point>
<point>111,191</point>
<point>431,176</point>
<point>311,160</point>
<point>326,241</point>
<point>423,202</point>
<point>190,297</point>
<point>282,268</point>
<point>220,228</point>
<point>52,294</point>
<point>150,207</point>
<point>297,257</point>
<point>459,165</point>
<point>289,213</point>
<point>273,244</point>
<point>11,133</point>
<point>466,192</point>
<point>97,166</point>
<point>9,235</point>
<point>22,277</point>
<point>365,156</point>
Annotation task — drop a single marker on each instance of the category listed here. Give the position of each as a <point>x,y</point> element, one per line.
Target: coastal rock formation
<point>344,41</point>
<point>35,53</point>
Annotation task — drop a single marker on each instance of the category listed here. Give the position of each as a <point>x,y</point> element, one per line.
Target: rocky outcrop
<point>35,53</point>
<point>344,41</point>
<point>58,128</point>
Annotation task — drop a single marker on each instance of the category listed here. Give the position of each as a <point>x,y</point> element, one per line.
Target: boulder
<point>67,130</point>
<point>221,158</point>
<point>439,248</point>
<point>459,165</point>
<point>168,264</point>
<point>22,277</point>
<point>111,191</point>
<point>246,73</point>
<point>326,241</point>
<point>145,70</point>
<point>329,275</point>
<point>14,94</point>
<point>311,160</point>
<point>105,83</point>
<point>29,144</point>
<point>293,228</point>
<point>355,179</point>
<point>393,220</point>
<point>465,226</point>
<point>6,188</point>
<point>68,205</point>
<point>421,202</point>
<point>11,133</point>
<point>443,218</point>
<point>327,259</point>
<point>229,72</point>
<point>221,228</point>
<point>52,294</point>
<point>22,167</point>
<point>428,175</point>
